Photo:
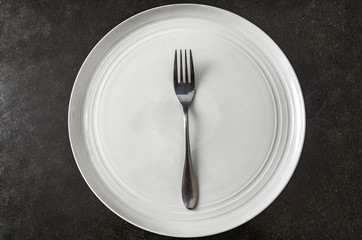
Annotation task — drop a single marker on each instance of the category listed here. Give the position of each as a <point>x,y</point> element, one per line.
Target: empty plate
<point>247,120</point>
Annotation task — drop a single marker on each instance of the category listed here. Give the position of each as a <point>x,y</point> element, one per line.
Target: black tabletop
<point>42,46</point>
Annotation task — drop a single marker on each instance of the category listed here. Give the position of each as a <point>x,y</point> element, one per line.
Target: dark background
<point>44,43</point>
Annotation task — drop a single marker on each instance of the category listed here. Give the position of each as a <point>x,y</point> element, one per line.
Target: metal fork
<point>185,89</point>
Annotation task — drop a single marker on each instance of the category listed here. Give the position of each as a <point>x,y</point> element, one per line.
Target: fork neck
<point>186,114</point>
<point>185,107</point>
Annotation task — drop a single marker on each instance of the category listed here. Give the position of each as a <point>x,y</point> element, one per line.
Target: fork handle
<point>189,184</point>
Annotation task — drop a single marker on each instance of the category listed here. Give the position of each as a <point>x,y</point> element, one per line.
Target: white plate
<point>247,120</point>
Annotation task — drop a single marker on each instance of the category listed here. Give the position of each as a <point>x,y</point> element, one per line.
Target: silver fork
<point>185,89</point>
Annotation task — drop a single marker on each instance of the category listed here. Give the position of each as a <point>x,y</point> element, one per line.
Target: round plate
<point>247,120</point>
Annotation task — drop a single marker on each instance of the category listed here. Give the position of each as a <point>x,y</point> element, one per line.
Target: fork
<point>185,89</point>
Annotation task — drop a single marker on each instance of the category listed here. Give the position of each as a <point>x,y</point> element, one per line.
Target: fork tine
<point>181,70</point>
<point>192,73</point>
<point>186,72</point>
<point>175,73</point>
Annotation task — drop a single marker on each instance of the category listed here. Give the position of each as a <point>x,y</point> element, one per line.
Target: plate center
<point>140,126</point>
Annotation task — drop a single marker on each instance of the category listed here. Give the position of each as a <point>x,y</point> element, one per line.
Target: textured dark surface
<point>42,46</point>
